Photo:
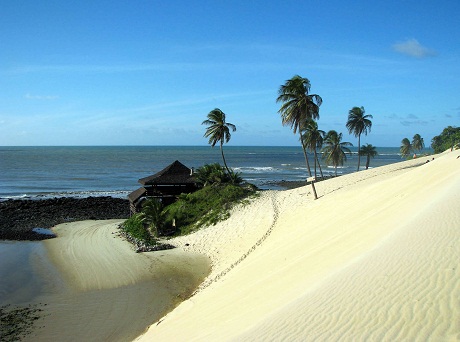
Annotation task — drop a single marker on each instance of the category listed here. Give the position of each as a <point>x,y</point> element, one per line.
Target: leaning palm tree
<point>335,151</point>
<point>218,130</point>
<point>298,106</point>
<point>417,142</point>
<point>369,151</point>
<point>357,124</point>
<point>312,139</point>
<point>406,148</point>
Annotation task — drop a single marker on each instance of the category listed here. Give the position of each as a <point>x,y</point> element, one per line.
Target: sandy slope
<point>374,258</point>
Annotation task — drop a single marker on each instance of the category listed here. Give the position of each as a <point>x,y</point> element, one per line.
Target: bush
<point>216,174</point>
<point>134,226</point>
<point>206,206</point>
<point>153,215</point>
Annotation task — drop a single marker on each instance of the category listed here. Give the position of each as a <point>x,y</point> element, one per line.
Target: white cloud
<point>411,47</point>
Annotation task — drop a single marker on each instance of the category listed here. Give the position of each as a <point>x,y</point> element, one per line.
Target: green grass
<point>206,206</point>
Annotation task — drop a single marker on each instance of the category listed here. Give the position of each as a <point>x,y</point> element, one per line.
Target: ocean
<point>45,172</point>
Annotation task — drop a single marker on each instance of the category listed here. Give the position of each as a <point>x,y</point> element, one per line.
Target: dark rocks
<point>141,246</point>
<point>19,217</point>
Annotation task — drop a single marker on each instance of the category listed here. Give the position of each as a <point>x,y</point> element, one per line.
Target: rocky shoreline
<point>18,218</point>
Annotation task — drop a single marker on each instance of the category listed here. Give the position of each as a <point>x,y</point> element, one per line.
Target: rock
<point>19,217</point>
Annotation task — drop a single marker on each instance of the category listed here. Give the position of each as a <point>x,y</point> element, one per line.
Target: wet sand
<point>96,288</point>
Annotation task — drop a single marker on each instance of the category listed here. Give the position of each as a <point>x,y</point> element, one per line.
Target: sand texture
<point>375,258</point>
<point>101,290</point>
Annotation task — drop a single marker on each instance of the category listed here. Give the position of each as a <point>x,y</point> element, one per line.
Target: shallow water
<point>27,276</point>
<point>19,281</point>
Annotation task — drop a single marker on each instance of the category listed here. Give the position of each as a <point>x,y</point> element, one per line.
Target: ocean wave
<point>255,169</point>
<point>74,194</point>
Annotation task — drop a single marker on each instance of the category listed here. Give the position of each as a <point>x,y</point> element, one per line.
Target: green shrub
<point>210,174</point>
<point>153,215</point>
<point>134,226</point>
<point>206,206</point>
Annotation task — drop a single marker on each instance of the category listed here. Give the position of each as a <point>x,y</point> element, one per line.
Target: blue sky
<point>148,72</point>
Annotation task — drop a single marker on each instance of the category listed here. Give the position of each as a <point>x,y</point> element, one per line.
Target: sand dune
<point>375,258</point>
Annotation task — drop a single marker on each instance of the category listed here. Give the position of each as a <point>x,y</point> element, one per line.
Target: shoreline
<point>95,287</point>
<point>280,262</point>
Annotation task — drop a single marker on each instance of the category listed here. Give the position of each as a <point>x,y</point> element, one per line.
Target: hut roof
<point>136,194</point>
<point>176,173</point>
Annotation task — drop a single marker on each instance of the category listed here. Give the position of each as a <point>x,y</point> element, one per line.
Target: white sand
<point>375,258</point>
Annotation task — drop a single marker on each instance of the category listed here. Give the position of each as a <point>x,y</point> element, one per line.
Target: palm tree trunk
<point>308,167</point>
<point>315,158</point>
<point>305,154</point>
<point>368,161</point>
<point>320,169</point>
<point>223,157</point>
<point>359,150</point>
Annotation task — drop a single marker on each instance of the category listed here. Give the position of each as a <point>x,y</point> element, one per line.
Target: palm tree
<point>417,142</point>
<point>218,130</point>
<point>406,148</point>
<point>357,124</point>
<point>298,106</point>
<point>312,139</point>
<point>153,214</point>
<point>335,150</point>
<point>369,151</point>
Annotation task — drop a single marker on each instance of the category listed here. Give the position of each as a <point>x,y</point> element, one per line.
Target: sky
<point>148,72</point>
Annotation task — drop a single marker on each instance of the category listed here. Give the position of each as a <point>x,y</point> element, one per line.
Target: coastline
<point>278,263</point>
<point>97,288</point>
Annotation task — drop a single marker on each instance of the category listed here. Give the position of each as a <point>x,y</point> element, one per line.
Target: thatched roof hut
<point>165,185</point>
<point>176,173</point>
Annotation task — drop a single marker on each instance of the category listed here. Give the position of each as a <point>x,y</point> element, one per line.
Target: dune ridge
<point>374,258</point>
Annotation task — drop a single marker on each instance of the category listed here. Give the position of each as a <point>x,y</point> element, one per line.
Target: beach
<point>94,287</point>
<point>375,258</point>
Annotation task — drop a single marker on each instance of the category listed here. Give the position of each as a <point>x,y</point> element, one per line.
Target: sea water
<point>44,172</point>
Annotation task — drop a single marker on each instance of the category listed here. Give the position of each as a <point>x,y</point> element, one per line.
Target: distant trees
<point>417,143</point>
<point>448,139</point>
<point>369,152</point>
<point>406,148</point>
<point>218,131</point>
<point>357,124</point>
<point>334,150</point>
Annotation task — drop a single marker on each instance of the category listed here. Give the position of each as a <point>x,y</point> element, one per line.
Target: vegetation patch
<point>448,139</point>
<point>206,206</point>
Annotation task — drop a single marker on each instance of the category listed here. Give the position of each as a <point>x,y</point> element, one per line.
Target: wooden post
<point>312,182</point>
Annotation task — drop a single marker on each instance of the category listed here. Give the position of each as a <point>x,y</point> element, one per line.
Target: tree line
<point>300,110</point>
